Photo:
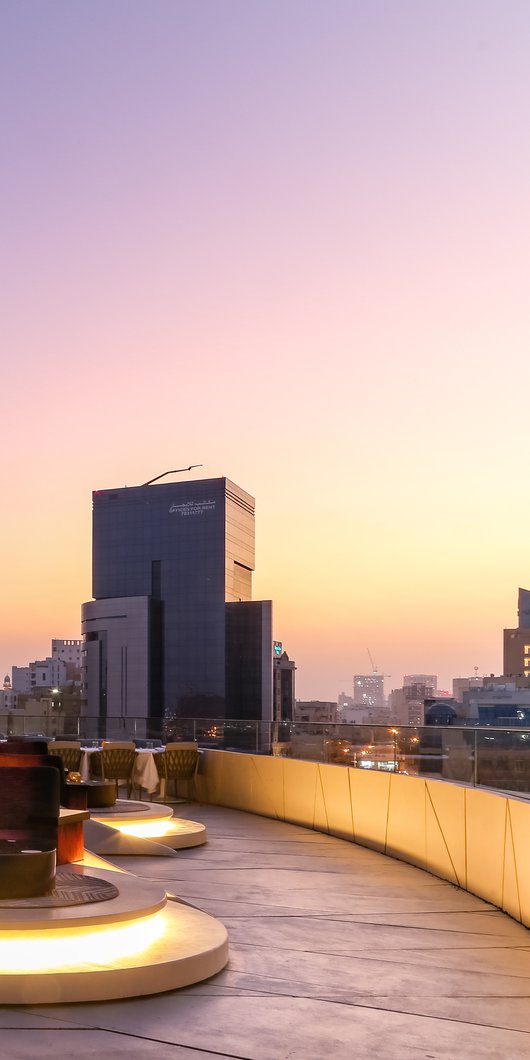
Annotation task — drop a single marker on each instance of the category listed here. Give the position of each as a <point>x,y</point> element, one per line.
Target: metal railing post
<point>475,762</point>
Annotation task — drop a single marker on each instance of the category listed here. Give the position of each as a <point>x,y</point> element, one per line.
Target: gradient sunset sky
<point>288,240</point>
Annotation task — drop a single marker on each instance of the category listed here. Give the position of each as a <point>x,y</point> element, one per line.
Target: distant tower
<point>516,661</point>
<point>523,608</point>
<point>283,693</point>
<point>369,690</point>
<point>7,683</point>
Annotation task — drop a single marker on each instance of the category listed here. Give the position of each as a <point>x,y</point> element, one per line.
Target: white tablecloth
<point>145,772</point>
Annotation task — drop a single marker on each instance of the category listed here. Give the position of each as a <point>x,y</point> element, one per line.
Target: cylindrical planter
<point>25,872</point>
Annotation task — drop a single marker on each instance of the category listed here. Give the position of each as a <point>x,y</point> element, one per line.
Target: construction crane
<point>372,663</point>
<point>374,667</point>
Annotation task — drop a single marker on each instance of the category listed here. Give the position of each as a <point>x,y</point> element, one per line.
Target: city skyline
<point>289,242</point>
<point>390,682</point>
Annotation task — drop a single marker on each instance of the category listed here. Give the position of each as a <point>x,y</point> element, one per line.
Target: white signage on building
<point>192,508</point>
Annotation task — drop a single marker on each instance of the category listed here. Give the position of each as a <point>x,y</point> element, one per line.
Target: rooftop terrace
<point>334,949</point>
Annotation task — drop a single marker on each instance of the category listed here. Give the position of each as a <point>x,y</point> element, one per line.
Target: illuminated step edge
<point>92,862</point>
<point>110,842</point>
<point>155,823</point>
<point>177,834</point>
<point>66,955</point>
<point>121,812</point>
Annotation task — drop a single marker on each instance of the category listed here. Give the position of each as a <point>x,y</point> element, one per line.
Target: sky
<point>289,241</point>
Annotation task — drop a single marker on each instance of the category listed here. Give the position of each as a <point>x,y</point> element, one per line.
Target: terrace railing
<point>481,756</point>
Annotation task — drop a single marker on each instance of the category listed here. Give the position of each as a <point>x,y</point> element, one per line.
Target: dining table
<point>145,775</point>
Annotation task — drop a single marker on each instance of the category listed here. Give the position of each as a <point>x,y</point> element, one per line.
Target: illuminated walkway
<point>335,952</point>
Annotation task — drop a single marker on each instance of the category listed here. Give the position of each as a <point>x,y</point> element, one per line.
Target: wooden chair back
<point>69,751</point>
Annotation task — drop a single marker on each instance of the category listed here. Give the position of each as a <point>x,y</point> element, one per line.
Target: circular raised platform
<point>142,945</point>
<point>153,821</point>
<point>124,810</point>
<point>136,898</point>
<point>70,888</point>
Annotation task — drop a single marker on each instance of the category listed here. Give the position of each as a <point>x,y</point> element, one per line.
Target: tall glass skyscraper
<point>167,561</point>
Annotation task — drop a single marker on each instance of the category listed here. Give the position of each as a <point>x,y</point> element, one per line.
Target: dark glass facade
<point>189,546</point>
<point>248,641</point>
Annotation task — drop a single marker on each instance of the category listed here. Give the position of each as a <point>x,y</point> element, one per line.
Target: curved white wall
<point>476,839</point>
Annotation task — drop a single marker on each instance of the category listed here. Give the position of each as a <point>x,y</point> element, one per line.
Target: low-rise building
<point>315,711</point>
<point>497,704</point>
<point>464,684</point>
<point>33,715</point>
<point>43,673</point>
<point>69,653</point>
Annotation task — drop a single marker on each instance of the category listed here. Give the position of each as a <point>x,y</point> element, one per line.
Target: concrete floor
<point>335,951</point>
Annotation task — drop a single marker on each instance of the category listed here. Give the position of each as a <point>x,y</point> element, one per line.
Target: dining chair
<point>178,762</point>
<point>117,763</point>
<point>94,758</point>
<point>69,751</point>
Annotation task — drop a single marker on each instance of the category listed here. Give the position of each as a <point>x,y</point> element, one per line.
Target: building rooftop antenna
<point>177,471</point>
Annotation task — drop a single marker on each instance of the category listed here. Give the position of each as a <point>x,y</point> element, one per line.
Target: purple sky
<point>290,241</point>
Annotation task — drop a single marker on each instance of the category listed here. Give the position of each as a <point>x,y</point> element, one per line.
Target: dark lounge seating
<point>24,757</point>
<point>24,746</point>
<point>29,813</point>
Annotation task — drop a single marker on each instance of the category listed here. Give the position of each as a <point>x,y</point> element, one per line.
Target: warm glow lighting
<point>95,946</point>
<point>147,829</point>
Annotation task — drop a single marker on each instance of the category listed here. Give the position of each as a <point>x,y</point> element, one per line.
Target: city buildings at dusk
<point>173,630</point>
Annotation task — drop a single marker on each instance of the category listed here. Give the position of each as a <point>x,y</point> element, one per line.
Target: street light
<point>395,734</point>
<point>56,707</point>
